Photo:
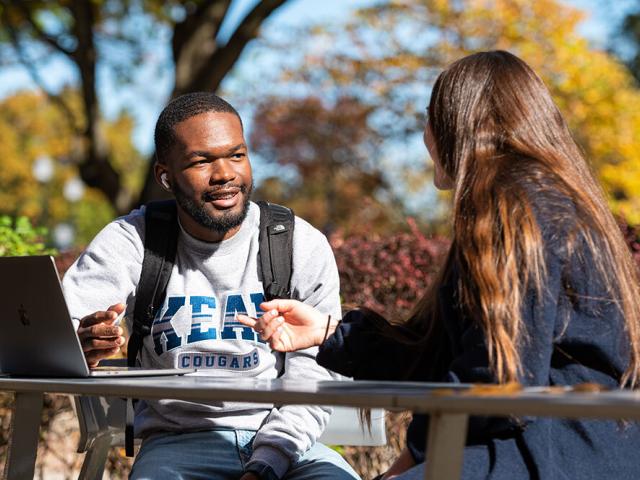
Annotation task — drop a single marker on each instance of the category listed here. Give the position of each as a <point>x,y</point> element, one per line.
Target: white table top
<point>418,397</point>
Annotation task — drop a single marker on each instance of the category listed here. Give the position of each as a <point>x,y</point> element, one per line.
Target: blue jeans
<point>222,455</point>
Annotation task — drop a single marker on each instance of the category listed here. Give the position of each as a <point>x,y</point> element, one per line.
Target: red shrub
<point>388,274</point>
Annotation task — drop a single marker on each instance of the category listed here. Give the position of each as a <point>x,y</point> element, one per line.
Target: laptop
<point>37,335</point>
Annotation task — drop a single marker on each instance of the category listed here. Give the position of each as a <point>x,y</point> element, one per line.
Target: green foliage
<point>19,237</point>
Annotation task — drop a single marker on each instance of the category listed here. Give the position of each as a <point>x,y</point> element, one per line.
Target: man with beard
<point>202,160</point>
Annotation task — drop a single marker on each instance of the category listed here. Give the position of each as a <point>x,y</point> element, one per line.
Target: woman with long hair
<point>538,286</point>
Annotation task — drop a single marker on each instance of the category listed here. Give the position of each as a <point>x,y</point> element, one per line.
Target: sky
<point>146,99</point>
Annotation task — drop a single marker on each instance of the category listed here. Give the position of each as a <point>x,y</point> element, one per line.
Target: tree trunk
<point>95,169</point>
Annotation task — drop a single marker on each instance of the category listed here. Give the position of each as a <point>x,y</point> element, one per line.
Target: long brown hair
<point>496,128</point>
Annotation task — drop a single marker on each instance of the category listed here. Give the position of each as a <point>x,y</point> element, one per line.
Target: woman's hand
<point>289,325</point>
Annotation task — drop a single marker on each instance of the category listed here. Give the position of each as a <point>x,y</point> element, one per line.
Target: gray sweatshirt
<point>196,327</point>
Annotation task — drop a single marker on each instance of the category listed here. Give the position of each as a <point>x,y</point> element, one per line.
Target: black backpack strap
<point>160,244</point>
<point>276,249</point>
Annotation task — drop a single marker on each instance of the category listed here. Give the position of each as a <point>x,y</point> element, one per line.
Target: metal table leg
<point>445,447</point>
<point>23,434</point>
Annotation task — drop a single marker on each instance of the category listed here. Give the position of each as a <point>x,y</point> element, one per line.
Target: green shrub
<point>18,237</point>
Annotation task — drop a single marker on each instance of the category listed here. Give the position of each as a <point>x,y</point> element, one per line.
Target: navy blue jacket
<point>573,336</point>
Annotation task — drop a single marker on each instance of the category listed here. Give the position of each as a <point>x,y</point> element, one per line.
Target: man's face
<point>209,172</point>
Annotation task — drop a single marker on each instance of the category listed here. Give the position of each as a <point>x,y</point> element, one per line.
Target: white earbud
<point>165,182</point>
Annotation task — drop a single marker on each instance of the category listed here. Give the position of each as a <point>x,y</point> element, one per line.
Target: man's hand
<point>99,337</point>
<point>249,476</point>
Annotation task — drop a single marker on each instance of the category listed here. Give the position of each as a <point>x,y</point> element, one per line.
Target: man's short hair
<point>181,109</point>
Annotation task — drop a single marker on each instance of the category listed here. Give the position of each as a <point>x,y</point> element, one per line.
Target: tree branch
<point>212,12</point>
<point>210,74</point>
<point>194,40</point>
<point>31,69</point>
<point>41,34</point>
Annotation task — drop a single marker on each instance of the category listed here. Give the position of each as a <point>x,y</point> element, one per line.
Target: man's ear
<point>162,176</point>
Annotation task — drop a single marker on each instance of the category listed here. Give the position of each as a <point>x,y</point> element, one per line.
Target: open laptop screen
<point>38,336</point>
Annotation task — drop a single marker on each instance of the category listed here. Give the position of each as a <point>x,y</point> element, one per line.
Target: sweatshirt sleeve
<point>358,350</point>
<point>290,430</point>
<point>107,272</point>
